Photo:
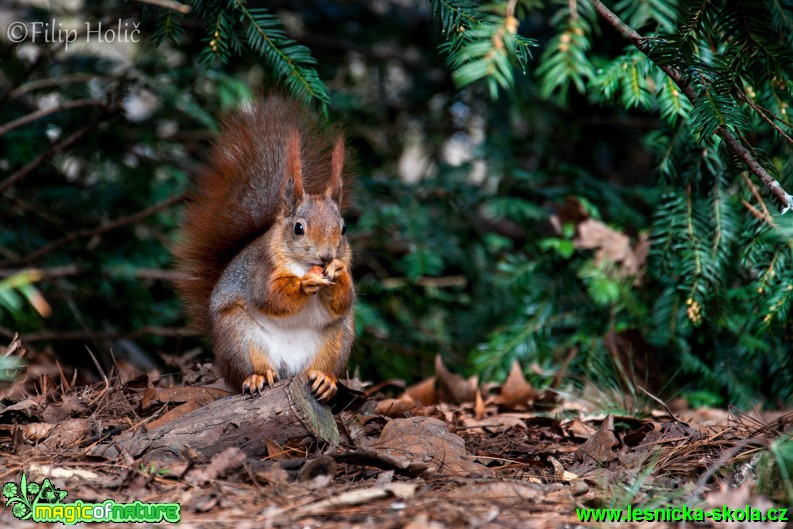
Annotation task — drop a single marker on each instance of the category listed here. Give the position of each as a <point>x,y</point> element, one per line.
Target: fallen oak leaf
<point>395,408</point>
<point>180,394</point>
<point>69,405</point>
<point>452,387</point>
<point>428,441</point>
<point>600,447</point>
<point>423,392</point>
<point>173,414</point>
<point>35,431</point>
<point>68,433</point>
<point>495,424</point>
<point>610,245</point>
<point>479,406</point>
<point>516,391</point>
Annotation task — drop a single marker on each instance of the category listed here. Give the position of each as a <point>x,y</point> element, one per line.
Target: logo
<point>44,503</point>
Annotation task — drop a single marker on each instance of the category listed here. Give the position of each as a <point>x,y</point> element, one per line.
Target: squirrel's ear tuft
<point>294,168</point>
<point>336,168</point>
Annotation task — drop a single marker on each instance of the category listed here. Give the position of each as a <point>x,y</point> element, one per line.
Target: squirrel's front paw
<point>312,282</point>
<point>255,383</point>
<point>334,269</point>
<point>324,385</point>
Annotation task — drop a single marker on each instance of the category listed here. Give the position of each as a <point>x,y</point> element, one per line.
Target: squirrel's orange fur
<point>264,219</point>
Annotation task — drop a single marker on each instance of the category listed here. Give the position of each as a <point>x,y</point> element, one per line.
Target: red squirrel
<point>263,253</point>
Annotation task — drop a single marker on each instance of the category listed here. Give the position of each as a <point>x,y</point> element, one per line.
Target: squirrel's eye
<point>343,228</point>
<point>299,229</point>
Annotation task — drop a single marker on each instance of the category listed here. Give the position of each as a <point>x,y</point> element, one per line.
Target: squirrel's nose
<point>326,257</point>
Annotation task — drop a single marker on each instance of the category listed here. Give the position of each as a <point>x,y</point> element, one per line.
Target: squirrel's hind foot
<point>323,385</point>
<point>255,383</point>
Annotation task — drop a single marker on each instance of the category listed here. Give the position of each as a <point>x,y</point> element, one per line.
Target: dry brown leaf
<point>201,394</point>
<point>579,429</point>
<point>600,446</point>
<point>395,407</point>
<point>275,452</point>
<point>637,436</point>
<point>428,441</point>
<point>35,431</point>
<point>452,387</point>
<point>495,424</point>
<point>67,433</point>
<point>127,371</point>
<point>423,392</point>
<point>272,473</point>
<point>706,418</point>
<point>611,245</point>
<point>69,405</point>
<point>479,406</point>
<point>14,348</point>
<point>175,413</point>
<point>516,391</point>
<point>558,469</point>
<point>427,411</point>
<point>28,407</point>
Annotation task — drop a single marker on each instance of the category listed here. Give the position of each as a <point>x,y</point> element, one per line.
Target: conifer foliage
<point>233,28</point>
<point>492,255</point>
<point>719,74</point>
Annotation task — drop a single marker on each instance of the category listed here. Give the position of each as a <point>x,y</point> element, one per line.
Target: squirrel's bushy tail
<point>237,195</point>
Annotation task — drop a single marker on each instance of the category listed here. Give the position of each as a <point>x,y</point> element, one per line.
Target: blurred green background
<point>530,186</point>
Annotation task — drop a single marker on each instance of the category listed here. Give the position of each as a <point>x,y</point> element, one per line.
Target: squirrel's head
<point>311,225</point>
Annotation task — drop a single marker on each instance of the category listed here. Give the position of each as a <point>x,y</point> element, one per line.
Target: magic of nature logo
<point>43,502</point>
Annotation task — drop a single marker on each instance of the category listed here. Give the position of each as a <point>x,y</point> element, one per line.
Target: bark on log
<point>286,413</point>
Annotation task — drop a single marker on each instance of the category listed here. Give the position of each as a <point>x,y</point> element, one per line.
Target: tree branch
<point>735,145</point>
<point>53,149</point>
<point>92,232</point>
<point>71,270</point>
<point>46,336</point>
<point>762,113</point>
<point>33,116</point>
<point>51,82</point>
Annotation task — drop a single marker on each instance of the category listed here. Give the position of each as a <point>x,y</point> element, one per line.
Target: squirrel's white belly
<point>291,343</point>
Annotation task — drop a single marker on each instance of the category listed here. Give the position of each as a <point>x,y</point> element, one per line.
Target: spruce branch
<point>735,145</point>
<point>291,61</point>
<point>762,113</point>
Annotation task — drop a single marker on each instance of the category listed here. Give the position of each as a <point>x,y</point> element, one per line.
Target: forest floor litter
<point>448,452</point>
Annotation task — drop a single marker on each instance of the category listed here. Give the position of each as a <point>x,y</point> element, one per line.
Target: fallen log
<point>284,414</point>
